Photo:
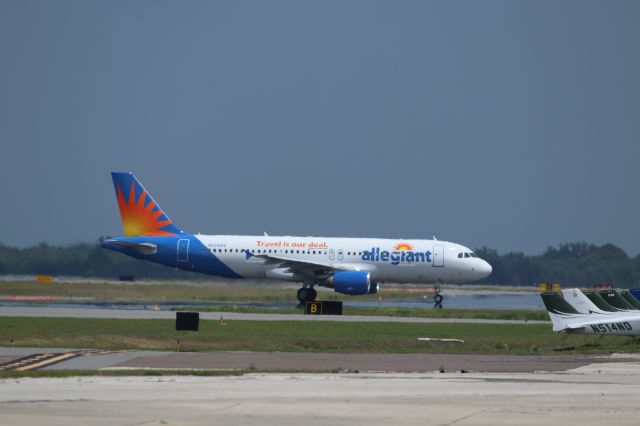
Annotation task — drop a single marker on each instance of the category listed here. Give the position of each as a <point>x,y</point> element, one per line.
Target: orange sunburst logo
<point>403,246</point>
<point>138,219</point>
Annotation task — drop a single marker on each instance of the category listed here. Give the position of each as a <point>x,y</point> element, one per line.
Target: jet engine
<point>352,283</point>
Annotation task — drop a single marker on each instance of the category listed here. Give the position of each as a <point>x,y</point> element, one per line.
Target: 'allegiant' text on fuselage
<point>396,257</point>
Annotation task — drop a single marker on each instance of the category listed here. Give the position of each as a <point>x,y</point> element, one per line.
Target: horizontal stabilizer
<point>144,248</point>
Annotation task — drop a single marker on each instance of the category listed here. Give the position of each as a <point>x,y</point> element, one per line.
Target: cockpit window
<point>466,255</point>
<point>459,255</point>
<point>472,254</point>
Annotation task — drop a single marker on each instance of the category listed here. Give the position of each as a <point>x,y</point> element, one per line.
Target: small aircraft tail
<point>141,215</point>
<point>599,301</point>
<point>614,299</point>
<point>628,296</point>
<point>580,302</point>
<point>560,312</point>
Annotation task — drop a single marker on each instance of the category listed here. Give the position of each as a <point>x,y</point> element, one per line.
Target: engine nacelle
<point>353,283</point>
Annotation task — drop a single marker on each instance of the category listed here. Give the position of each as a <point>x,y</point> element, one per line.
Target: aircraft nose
<point>485,269</point>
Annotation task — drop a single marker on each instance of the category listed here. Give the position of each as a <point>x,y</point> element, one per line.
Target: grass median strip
<point>302,336</point>
<point>127,372</point>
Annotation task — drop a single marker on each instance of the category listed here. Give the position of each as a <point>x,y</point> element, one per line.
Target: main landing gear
<point>307,294</point>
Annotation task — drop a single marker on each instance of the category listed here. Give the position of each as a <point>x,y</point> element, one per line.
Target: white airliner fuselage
<point>427,261</point>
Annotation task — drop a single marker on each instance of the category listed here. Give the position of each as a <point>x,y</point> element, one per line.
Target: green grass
<point>151,292</point>
<point>302,336</point>
<point>116,373</point>
<point>12,374</point>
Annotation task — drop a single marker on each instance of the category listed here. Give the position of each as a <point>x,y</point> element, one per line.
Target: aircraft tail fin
<point>560,311</point>
<point>599,301</point>
<point>580,302</point>
<point>614,299</point>
<point>635,292</point>
<point>140,214</point>
<point>628,296</point>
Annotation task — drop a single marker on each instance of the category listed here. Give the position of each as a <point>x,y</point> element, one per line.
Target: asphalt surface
<point>603,395</point>
<point>415,389</point>
<point>75,359</point>
<point>61,312</point>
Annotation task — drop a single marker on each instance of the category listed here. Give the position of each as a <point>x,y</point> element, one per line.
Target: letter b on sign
<point>313,308</point>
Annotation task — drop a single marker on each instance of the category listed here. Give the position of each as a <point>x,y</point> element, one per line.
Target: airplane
<point>352,266</point>
<point>576,313</point>
<point>591,302</point>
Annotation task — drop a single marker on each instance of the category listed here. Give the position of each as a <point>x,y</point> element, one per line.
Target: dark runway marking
<point>37,361</point>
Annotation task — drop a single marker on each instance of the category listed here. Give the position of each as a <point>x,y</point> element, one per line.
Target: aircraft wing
<point>297,264</point>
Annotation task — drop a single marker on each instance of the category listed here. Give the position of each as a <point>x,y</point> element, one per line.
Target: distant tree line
<point>572,264</point>
<point>81,260</point>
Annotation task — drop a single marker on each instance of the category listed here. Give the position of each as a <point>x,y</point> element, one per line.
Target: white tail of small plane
<point>580,302</point>
<point>565,316</point>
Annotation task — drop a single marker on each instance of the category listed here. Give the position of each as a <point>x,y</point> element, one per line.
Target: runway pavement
<point>19,311</point>
<point>76,359</point>
<point>602,395</point>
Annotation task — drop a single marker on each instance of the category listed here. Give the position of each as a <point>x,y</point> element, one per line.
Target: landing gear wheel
<point>307,294</point>
<point>437,301</point>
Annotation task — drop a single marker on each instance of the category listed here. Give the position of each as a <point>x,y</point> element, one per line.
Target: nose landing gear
<point>437,297</point>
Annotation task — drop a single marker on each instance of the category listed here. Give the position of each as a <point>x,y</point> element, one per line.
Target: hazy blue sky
<point>511,124</point>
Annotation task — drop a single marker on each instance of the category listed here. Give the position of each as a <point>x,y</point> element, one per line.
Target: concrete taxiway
<point>62,312</point>
<point>589,395</point>
<point>75,359</point>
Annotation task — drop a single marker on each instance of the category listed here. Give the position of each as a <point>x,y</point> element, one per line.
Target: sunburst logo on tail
<point>141,219</point>
<point>403,246</point>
